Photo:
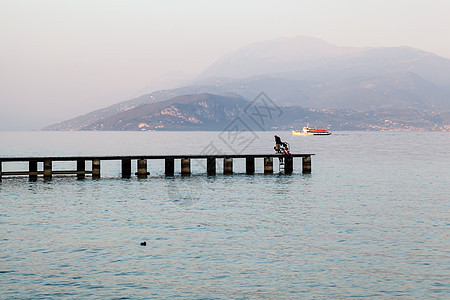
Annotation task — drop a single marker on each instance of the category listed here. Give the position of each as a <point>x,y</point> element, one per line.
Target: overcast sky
<point>61,58</point>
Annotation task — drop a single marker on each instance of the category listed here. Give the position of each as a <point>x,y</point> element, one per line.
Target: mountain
<point>391,90</point>
<point>313,74</point>
<point>218,112</point>
<point>188,112</point>
<point>280,55</point>
<point>311,59</point>
<point>83,121</point>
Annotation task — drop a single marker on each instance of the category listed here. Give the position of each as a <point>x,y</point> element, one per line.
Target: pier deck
<point>185,160</point>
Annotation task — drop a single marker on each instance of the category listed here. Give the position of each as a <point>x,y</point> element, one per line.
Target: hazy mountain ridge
<point>311,73</point>
<point>216,112</point>
<point>280,55</point>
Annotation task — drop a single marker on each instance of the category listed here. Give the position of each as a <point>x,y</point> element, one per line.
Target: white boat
<point>311,131</point>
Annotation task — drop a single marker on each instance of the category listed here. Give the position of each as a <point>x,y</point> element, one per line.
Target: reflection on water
<point>184,191</point>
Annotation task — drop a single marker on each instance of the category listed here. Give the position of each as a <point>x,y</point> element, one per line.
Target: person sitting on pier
<point>282,148</point>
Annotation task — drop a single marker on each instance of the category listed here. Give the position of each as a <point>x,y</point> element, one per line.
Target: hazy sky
<point>60,59</point>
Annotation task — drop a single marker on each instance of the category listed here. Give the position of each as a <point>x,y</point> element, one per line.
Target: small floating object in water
<point>144,243</point>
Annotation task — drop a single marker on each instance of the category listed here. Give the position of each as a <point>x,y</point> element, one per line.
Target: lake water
<point>371,220</point>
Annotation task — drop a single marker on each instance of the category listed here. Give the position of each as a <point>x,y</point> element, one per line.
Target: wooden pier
<point>47,170</point>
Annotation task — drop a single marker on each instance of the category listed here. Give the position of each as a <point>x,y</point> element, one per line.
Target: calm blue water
<point>372,220</point>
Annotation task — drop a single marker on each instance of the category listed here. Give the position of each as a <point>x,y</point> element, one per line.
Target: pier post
<point>288,165</point>
<point>47,169</point>
<point>306,164</point>
<point>169,166</point>
<point>250,165</point>
<point>142,168</point>
<point>1,170</point>
<point>32,169</point>
<point>211,166</point>
<point>126,168</point>
<point>81,168</point>
<point>227,166</point>
<point>95,168</point>
<point>268,165</point>
<point>185,166</point>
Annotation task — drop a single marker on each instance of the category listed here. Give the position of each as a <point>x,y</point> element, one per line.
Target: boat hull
<point>311,131</point>
<point>308,133</point>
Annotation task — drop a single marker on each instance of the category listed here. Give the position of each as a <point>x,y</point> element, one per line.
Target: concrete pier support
<point>306,164</point>
<point>95,168</point>
<point>81,168</point>
<point>169,166</point>
<point>250,165</point>
<point>185,166</point>
<point>32,168</point>
<point>142,168</point>
<point>288,165</point>
<point>126,168</point>
<point>227,166</point>
<point>268,165</point>
<point>211,166</point>
<point>47,169</point>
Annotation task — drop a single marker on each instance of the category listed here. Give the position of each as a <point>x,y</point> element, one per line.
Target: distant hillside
<point>216,112</point>
<point>188,112</point>
<point>84,121</point>
<point>280,55</point>
<point>313,74</point>
<point>391,90</point>
<point>311,59</point>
